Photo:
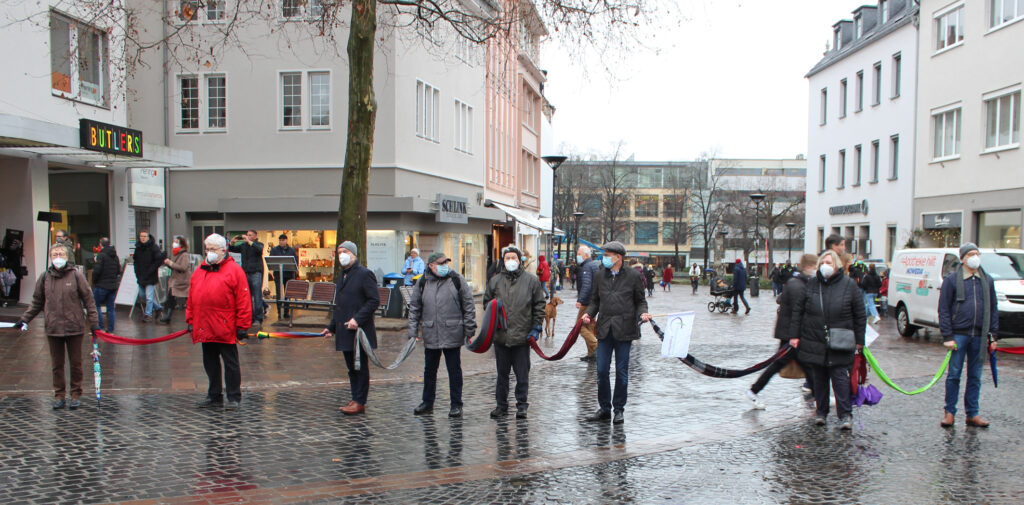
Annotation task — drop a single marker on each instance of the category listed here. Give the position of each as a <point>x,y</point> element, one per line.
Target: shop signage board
<point>128,291</point>
<point>452,209</point>
<point>380,251</point>
<point>853,208</point>
<point>107,138</point>
<point>943,220</point>
<point>146,188</point>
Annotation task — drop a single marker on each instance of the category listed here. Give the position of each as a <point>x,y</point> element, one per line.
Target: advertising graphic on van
<point>902,287</point>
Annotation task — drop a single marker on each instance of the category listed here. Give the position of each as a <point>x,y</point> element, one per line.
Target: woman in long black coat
<point>830,299</point>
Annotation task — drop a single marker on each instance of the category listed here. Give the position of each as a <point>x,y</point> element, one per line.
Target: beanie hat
<point>512,249</point>
<point>351,246</point>
<point>966,248</point>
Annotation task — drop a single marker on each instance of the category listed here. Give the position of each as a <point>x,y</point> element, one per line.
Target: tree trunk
<point>362,118</point>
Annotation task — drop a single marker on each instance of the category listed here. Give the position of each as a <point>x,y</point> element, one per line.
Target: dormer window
<point>858,27</point>
<point>883,11</point>
<point>837,42</point>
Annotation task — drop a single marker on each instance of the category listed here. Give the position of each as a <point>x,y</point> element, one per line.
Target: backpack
<point>456,280</point>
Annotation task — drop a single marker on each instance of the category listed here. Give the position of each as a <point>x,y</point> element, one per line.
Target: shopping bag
<point>792,370</point>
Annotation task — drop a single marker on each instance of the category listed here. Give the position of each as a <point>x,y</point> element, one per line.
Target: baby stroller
<point>723,293</point>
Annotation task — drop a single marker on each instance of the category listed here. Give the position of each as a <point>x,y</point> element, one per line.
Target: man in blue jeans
<point>252,264</point>
<point>969,322</point>
<point>146,259</point>
<point>739,285</point>
<point>619,304</point>
<point>104,281</point>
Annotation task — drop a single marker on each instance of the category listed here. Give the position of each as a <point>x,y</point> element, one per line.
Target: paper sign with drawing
<point>677,335</point>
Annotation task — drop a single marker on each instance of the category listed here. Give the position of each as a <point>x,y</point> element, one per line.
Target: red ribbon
<point>574,334</point>
<point>1011,350</point>
<point>114,339</point>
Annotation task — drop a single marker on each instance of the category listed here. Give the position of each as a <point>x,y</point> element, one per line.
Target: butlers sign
<point>107,138</point>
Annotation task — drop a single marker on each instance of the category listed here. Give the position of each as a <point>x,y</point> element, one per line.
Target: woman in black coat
<point>831,300</point>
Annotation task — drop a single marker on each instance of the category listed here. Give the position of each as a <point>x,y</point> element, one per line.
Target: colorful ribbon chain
<point>724,373</point>
<point>885,378</point>
<point>115,339</point>
<point>286,334</point>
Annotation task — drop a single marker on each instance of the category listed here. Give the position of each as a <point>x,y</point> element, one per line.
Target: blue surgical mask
<point>607,262</point>
<point>442,270</point>
<point>579,259</point>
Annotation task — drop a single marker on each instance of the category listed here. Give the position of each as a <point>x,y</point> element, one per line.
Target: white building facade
<point>861,132</point>
<point>970,169</point>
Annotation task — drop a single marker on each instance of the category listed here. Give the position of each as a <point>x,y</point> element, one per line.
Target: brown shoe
<point>947,420</point>
<point>977,422</point>
<point>347,405</point>
<point>353,409</point>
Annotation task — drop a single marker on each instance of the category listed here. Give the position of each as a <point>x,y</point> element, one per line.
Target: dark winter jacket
<point>61,295</point>
<point>147,259</point>
<point>739,277</point>
<point>523,297</point>
<point>844,307</point>
<point>776,275</point>
<point>617,303</point>
<point>791,294</point>
<point>252,256</point>
<point>587,271</point>
<point>356,296</point>
<point>870,282</point>
<point>967,318</point>
<point>442,311</point>
<point>284,251</point>
<point>106,270</point>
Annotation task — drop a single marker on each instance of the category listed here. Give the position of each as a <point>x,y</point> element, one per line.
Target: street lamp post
<point>757,198</point>
<point>576,230</point>
<point>790,252</point>
<point>722,234</point>
<point>554,162</point>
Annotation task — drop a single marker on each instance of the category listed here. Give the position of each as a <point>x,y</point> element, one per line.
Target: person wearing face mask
<point>61,294</point>
<point>441,313</point>
<point>356,299</point>
<point>791,292</point>
<point>830,302</point>
<point>588,268</point>
<point>218,313</point>
<point>523,298</point>
<point>968,320</point>
<point>181,272</point>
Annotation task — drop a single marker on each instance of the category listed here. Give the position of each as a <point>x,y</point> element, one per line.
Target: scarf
<point>986,296</point>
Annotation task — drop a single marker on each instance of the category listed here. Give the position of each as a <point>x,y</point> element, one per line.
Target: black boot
<point>166,319</point>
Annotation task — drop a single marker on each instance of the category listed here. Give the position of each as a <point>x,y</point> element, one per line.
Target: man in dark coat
<point>147,259</point>
<point>586,270</point>
<point>252,264</point>
<point>283,249</point>
<point>356,299</point>
<point>619,305</point>
<point>523,298</point>
<point>739,284</point>
<point>104,281</point>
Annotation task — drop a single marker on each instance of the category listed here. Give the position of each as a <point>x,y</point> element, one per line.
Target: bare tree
<point>679,182</point>
<point>755,222</point>
<point>703,198</point>
<point>615,185</point>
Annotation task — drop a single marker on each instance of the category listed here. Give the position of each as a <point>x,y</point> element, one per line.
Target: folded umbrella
<point>995,371</point>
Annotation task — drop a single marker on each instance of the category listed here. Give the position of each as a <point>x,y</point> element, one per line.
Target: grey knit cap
<point>350,246</point>
<point>966,248</point>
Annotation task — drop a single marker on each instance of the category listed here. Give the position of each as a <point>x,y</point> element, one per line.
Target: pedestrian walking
<point>61,294</point>
<point>283,249</point>
<point>357,299</point>
<point>61,237</point>
<point>618,306</point>
<point>791,293</point>
<point>543,274</point>
<point>105,276</point>
<point>968,320</point>
<point>251,250</point>
<point>585,272</point>
<point>649,276</point>
<point>666,278</point>
<point>775,275</point>
<point>147,259</point>
<point>218,313</point>
<point>739,285</point>
<point>442,315</point>
<point>694,277</point>
<point>870,283</point>
<point>413,266</point>
<point>836,243</point>
<point>883,293</point>
<point>829,308</point>
<point>523,298</point>
<point>181,275</point>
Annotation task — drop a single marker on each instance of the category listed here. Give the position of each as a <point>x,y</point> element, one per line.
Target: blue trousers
<point>869,305</point>
<point>149,293</point>
<point>256,290</point>
<point>972,350</point>
<point>605,348</point>
<point>737,298</point>
<point>105,297</point>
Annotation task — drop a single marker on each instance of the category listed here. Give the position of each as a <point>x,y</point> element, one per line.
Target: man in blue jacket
<point>968,319</point>
<point>356,299</point>
<point>587,268</point>
<point>739,285</point>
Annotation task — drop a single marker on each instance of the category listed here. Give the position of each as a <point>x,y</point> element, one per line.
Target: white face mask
<point>511,265</point>
<point>59,263</point>
<point>579,259</point>
<point>212,258</point>
<point>974,262</point>
<point>827,270</point>
<point>175,245</point>
<point>344,259</point>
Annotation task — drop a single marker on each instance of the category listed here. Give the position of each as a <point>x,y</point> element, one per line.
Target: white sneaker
<point>876,320</point>
<point>758,405</point>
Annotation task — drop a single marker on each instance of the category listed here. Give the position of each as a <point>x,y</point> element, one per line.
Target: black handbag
<point>836,339</point>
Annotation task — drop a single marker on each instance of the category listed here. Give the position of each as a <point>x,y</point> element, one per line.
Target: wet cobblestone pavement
<point>687,438</point>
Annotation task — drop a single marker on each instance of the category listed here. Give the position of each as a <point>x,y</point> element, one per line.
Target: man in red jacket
<point>218,312</point>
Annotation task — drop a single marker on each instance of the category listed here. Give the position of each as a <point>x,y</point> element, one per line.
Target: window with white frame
<point>883,11</point>
<point>531,173</point>
<point>1002,121</point>
<point>1004,11</point>
<point>824,106</point>
<point>531,106</point>
<point>428,112</point>
<point>199,10</point>
<point>319,99</point>
<point>894,157</point>
<point>947,133</point>
<point>949,28</point>
<point>842,98</point>
<point>859,103</point>
<point>897,74</point>
<point>463,127</point>
<point>858,27</point>
<point>821,173</point>
<point>79,64</point>
<point>841,170</point>
<point>291,99</point>
<point>305,100</point>
<point>876,74</point>
<point>875,154</point>
<point>203,105</point>
<point>858,158</point>
<point>302,9</point>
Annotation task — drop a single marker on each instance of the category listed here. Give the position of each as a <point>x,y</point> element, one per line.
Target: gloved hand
<point>534,333</point>
<point>94,329</point>
<point>190,328</point>
<point>21,325</point>
<point>241,335</point>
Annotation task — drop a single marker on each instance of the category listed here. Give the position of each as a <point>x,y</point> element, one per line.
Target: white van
<point>916,276</point>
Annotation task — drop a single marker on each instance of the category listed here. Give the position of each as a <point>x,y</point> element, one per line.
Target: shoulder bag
<point>836,339</point>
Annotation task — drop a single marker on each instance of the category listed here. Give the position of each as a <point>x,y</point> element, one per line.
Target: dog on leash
<point>550,312</point>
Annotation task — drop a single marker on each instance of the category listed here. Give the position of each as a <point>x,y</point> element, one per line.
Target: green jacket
<point>523,297</point>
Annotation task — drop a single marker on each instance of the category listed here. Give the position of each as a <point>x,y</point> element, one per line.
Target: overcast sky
<point>730,78</point>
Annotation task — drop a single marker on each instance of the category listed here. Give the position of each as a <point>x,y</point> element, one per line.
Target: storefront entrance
<point>82,199</point>
<point>999,229</point>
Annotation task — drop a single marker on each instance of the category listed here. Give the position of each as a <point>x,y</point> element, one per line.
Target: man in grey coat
<point>619,304</point>
<point>442,311</point>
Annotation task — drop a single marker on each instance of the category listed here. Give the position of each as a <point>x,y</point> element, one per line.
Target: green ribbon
<point>888,381</point>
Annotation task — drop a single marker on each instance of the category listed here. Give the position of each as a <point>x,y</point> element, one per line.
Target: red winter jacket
<point>543,270</point>
<point>219,303</point>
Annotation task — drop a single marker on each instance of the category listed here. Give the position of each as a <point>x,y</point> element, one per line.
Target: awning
<point>541,224</point>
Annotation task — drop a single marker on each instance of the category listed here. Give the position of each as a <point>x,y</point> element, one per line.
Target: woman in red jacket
<point>543,274</point>
<point>218,312</point>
